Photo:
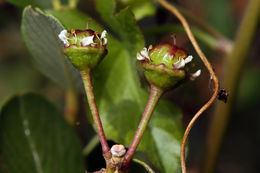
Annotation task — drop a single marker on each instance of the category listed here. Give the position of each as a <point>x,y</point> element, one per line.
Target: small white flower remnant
<point>179,64</point>
<point>118,152</point>
<point>188,59</point>
<point>103,36</point>
<point>193,76</point>
<point>87,40</point>
<point>143,54</point>
<point>64,37</point>
<point>182,62</point>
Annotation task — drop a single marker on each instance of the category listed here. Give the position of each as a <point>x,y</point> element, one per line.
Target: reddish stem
<point>86,77</point>
<point>154,97</point>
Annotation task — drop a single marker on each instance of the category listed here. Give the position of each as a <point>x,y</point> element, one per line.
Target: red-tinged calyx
<point>84,48</point>
<point>164,65</point>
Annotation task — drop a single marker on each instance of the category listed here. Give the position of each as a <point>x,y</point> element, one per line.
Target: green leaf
<point>202,36</point>
<point>34,137</point>
<point>223,21</point>
<point>123,23</point>
<point>40,33</point>
<point>121,101</point>
<point>45,4</point>
<point>13,81</point>
<point>140,8</point>
<point>143,10</point>
<point>35,3</point>
<point>72,19</point>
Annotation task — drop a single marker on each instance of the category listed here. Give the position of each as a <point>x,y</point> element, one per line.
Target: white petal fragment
<point>188,59</point>
<point>179,64</point>
<point>63,37</point>
<point>195,75</point>
<point>144,53</point>
<point>87,40</point>
<point>140,57</point>
<point>103,37</point>
<point>104,41</point>
<point>104,34</point>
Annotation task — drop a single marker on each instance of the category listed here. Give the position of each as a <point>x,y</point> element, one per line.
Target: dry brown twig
<point>186,26</point>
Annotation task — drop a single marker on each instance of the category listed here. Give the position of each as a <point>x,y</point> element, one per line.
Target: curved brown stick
<point>186,26</point>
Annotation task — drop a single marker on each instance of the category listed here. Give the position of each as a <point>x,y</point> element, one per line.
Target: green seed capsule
<point>84,48</point>
<point>164,65</point>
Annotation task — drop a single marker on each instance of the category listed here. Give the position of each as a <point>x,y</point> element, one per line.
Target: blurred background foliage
<point>240,149</point>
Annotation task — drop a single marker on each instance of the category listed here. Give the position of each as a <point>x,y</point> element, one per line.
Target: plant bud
<point>164,65</point>
<point>84,48</point>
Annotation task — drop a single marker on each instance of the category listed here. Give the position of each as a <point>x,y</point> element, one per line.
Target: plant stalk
<point>205,61</point>
<point>86,77</point>
<point>155,94</point>
<point>233,67</point>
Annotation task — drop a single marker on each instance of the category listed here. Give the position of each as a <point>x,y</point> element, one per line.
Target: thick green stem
<point>233,68</point>
<point>155,94</point>
<point>86,77</point>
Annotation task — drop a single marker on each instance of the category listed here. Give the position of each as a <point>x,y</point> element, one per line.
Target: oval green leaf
<point>34,138</point>
<point>40,33</point>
